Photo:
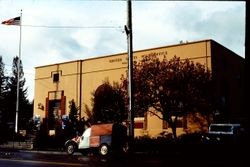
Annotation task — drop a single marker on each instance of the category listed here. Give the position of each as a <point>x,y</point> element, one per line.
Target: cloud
<point>155,23</point>
<point>165,24</point>
<point>227,27</point>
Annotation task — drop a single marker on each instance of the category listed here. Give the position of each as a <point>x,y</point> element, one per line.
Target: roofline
<point>142,50</point>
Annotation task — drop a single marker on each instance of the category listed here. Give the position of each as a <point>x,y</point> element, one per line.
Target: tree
<point>2,84</point>
<point>75,124</point>
<point>25,108</point>
<point>73,114</point>
<point>2,77</point>
<point>108,104</point>
<point>174,88</point>
<point>3,128</point>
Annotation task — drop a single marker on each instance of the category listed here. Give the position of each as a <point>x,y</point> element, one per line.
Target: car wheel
<point>104,150</point>
<point>70,148</point>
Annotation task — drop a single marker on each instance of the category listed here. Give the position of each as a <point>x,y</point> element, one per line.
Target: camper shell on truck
<point>101,137</point>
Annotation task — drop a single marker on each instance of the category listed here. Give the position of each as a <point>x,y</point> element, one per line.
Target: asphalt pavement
<point>210,156</point>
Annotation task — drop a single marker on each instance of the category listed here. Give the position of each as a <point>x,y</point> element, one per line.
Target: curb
<point>44,152</point>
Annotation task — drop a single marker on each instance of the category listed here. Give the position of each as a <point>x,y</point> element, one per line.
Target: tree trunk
<point>172,124</point>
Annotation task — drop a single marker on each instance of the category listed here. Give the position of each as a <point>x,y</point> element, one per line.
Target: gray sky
<point>56,31</point>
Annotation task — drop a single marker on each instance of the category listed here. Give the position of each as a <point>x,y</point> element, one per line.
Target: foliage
<point>154,145</point>
<point>73,113</point>
<point>8,96</point>
<point>89,114</point>
<point>74,125</point>
<point>3,82</point>
<point>3,127</point>
<point>2,87</point>
<point>108,104</point>
<point>172,88</point>
<point>2,78</point>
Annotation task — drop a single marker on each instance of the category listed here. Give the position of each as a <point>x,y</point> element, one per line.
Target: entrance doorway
<point>55,108</point>
<point>54,113</point>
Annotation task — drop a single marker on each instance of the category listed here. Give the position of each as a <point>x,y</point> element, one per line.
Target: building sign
<point>162,54</point>
<point>157,54</point>
<point>115,60</point>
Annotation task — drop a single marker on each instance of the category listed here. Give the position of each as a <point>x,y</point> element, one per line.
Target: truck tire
<point>104,150</point>
<point>70,148</point>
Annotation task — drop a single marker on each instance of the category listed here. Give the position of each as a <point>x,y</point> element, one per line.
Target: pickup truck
<point>222,133</point>
<point>100,137</point>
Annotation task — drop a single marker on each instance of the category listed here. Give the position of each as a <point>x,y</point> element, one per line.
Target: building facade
<point>57,84</point>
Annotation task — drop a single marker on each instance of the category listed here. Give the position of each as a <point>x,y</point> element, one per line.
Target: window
<point>56,77</point>
<point>164,124</point>
<point>179,123</point>
<point>139,122</point>
<point>138,125</point>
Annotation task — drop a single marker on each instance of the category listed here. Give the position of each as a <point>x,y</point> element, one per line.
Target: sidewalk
<point>27,147</point>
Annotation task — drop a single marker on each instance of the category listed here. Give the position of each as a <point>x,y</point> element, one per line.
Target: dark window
<point>179,123</point>
<point>164,124</point>
<point>138,125</point>
<point>56,77</point>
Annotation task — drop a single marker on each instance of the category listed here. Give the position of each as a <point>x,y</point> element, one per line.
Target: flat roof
<point>142,50</point>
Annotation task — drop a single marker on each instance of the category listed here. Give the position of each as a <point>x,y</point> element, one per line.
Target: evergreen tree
<point>73,114</point>
<point>25,110</point>
<point>1,76</point>
<point>2,84</point>
<point>3,106</point>
<point>73,124</point>
<point>3,91</point>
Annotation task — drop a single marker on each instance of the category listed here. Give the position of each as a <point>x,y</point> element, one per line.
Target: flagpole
<point>18,74</point>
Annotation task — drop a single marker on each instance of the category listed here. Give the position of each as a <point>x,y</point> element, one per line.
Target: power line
<point>73,27</point>
<point>136,0</point>
<point>113,0</point>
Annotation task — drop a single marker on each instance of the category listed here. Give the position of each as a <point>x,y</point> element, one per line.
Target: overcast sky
<point>56,31</point>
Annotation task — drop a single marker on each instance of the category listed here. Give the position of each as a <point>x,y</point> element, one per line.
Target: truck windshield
<point>217,128</point>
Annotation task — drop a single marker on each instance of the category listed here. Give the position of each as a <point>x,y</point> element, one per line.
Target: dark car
<point>223,133</point>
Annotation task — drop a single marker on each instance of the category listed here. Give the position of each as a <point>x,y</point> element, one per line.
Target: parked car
<point>223,133</point>
<point>102,138</point>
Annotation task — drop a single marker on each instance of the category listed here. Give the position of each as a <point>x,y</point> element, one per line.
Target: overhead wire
<point>73,27</point>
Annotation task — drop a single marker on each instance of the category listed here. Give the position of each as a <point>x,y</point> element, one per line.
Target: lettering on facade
<point>115,60</point>
<point>160,53</point>
<point>125,60</point>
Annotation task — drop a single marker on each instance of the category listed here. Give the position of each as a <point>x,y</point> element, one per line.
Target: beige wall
<point>68,82</point>
<point>96,70</point>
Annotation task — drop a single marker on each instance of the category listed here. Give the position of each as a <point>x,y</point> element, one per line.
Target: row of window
<point>180,124</point>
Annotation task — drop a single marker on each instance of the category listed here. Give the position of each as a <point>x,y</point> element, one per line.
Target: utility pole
<point>128,29</point>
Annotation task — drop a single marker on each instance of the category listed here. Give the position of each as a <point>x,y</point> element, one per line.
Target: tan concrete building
<point>57,84</point>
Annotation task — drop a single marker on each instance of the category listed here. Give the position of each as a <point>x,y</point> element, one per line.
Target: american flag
<point>13,21</point>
